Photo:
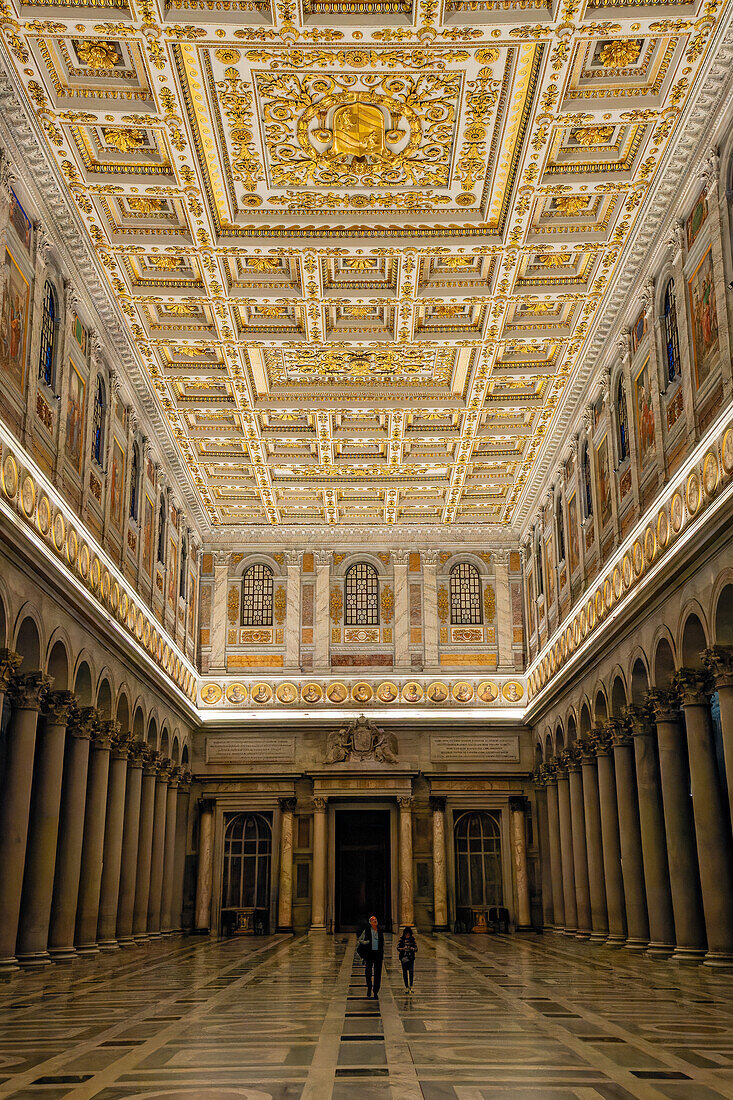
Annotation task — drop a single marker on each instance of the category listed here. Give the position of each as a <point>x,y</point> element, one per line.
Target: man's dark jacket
<point>366,940</point>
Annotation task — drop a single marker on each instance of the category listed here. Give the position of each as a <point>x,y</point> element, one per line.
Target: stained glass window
<point>161,531</point>
<point>623,423</point>
<point>361,595</point>
<point>48,337</point>
<point>671,340</point>
<point>587,487</point>
<point>560,521</point>
<point>134,481</point>
<point>257,596</point>
<point>465,595</point>
<point>98,426</point>
<point>478,859</point>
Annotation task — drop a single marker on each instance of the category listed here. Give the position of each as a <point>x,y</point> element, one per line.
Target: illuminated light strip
<point>35,538</point>
<point>691,531</point>
<point>509,714</point>
<point>71,519</point>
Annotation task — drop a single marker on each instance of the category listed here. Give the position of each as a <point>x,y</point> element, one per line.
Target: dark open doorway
<point>362,868</point>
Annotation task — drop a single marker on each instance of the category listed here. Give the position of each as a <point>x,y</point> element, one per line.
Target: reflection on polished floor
<point>284,1018</point>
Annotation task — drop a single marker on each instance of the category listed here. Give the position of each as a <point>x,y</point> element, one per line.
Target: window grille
<point>623,423</point>
<point>587,487</point>
<point>134,481</point>
<point>161,531</point>
<point>465,595</point>
<point>361,595</point>
<point>257,596</point>
<point>671,340</point>
<point>560,521</point>
<point>48,337</point>
<point>100,412</point>
<point>247,851</point>
<point>478,859</point>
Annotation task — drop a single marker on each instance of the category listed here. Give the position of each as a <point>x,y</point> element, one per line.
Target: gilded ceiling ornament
<point>145,205</point>
<point>164,263</point>
<point>336,603</point>
<point>97,55</point>
<point>358,263</point>
<point>387,602</point>
<point>443,605</point>
<point>126,141</point>
<point>280,604</point>
<point>619,52</point>
<point>551,259</point>
<point>489,603</point>
<point>593,135</point>
<point>571,205</point>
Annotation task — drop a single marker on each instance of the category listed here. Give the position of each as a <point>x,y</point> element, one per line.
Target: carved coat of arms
<point>361,740</point>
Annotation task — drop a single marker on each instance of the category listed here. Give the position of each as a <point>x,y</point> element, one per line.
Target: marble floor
<point>286,1019</point>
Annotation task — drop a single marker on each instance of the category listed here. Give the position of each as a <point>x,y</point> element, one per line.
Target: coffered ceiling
<point>359,245</point>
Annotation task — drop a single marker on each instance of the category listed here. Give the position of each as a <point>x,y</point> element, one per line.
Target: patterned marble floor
<point>530,1017</point>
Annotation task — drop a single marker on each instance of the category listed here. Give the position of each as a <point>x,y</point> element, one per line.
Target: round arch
<point>600,709</point>
<point>693,640</point>
<point>585,722</point>
<point>122,712</point>
<point>619,697</point>
<point>57,665</point>
<point>152,734</point>
<point>104,697</point>
<point>723,616</point>
<point>83,684</point>
<point>138,724</point>
<point>559,738</point>
<point>27,641</point>
<point>664,663</point>
<point>572,729</point>
<point>639,680</point>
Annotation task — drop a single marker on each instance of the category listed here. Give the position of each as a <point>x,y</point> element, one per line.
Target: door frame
<point>335,804</point>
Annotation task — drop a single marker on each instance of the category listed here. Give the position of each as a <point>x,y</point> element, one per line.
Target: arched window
<point>478,859</point>
<point>134,482</point>
<point>247,849</point>
<point>48,337</point>
<point>465,595</point>
<point>183,573</point>
<point>361,595</point>
<point>671,340</point>
<point>538,566</point>
<point>257,596</point>
<point>623,423</point>
<point>161,529</point>
<point>100,416</point>
<point>560,524</point>
<point>587,487</point>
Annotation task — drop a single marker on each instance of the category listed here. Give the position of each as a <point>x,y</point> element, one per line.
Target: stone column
<point>318,910</point>
<point>179,871</point>
<point>35,909</point>
<point>632,864</point>
<point>9,660</point>
<point>407,915</point>
<point>719,660</point>
<point>440,884</point>
<point>169,852</point>
<point>612,875</point>
<point>400,562</point>
<point>684,874</point>
<point>504,629</point>
<point>285,891</point>
<point>90,879</point>
<point>653,841</point>
<point>157,856</point>
<point>712,829</point>
<point>580,852</point>
<point>293,560</point>
<point>71,835</point>
<point>145,844</point>
<point>543,834</point>
<point>430,607</point>
<point>130,834</point>
<point>27,691</point>
<point>219,620</point>
<point>322,625</point>
<point>109,891</point>
<point>566,848</point>
<point>205,877</point>
<point>517,811</point>
<point>594,843</point>
<point>553,829</point>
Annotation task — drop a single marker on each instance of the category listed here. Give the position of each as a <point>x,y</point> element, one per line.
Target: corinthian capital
<point>401,557</point>
<point>28,690</point>
<point>695,686</point>
<point>719,660</point>
<point>664,704</point>
<point>9,662</point>
<point>322,557</point>
<point>58,706</point>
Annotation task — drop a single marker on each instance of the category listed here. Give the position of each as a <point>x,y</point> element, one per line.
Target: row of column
<point>92,829</point>
<point>635,829</point>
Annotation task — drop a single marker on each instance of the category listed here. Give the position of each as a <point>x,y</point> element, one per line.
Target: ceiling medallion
<point>125,141</point>
<point>617,53</point>
<point>593,135</point>
<point>97,55</point>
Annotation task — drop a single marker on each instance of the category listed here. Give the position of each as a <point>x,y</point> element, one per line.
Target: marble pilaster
<point>219,620</point>
<point>35,909</point>
<point>440,877</point>
<point>504,629</point>
<point>517,812</point>
<point>130,835</point>
<point>430,608</point>
<point>205,876</point>
<point>322,626</point>
<point>292,610</point>
<point>406,906</point>
<point>27,691</point>
<point>400,561</point>
<point>318,910</point>
<point>285,890</point>
<point>90,879</point>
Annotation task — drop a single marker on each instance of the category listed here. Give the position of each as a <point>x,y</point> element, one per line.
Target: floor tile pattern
<point>277,1018</point>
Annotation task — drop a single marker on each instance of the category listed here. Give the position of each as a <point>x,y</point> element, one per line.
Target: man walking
<point>371,949</point>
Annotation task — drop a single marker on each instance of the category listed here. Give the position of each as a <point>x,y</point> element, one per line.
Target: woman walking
<point>406,950</point>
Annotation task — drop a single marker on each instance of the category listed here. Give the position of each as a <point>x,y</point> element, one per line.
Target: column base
<point>62,954</point>
<point>87,949</point>
<point>660,950</point>
<point>582,934</point>
<point>598,937</point>
<point>718,958</point>
<point>441,928</point>
<point>155,935</point>
<point>572,932</point>
<point>317,928</point>
<point>636,945</point>
<point>688,954</point>
<point>284,930</point>
<point>616,939</point>
<point>524,928</point>
<point>35,959</point>
<point>140,937</point>
<point>126,941</point>
<point>108,945</point>
<point>8,965</point>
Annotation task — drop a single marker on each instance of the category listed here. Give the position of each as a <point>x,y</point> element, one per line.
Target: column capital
<point>405,803</point>
<point>10,661</point>
<point>322,557</point>
<point>437,804</point>
<point>136,753</point>
<point>601,739</point>
<point>174,777</point>
<point>664,703</point>
<point>618,732</point>
<point>287,805</point>
<point>58,706</point>
<point>185,778</point>
<point>562,762</point>
<point>401,557</point>
<point>518,803</point>
<point>320,804</point>
<point>121,745</point>
<point>164,769</point>
<point>151,760</point>
<point>574,756</point>
<point>587,749</point>
<point>430,557</point>
<point>221,559</point>
<point>719,661</point>
<point>105,732</point>
<point>28,689</point>
<point>694,685</point>
<point>638,720</point>
<point>82,722</point>
<point>293,558</point>
<point>548,772</point>
<point>500,557</point>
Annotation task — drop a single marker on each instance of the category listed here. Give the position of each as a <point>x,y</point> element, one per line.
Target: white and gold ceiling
<point>358,245</point>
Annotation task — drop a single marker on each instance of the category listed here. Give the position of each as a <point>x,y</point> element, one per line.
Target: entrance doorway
<point>362,869</point>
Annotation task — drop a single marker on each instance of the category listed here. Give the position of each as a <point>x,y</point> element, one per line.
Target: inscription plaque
<point>456,746</point>
<point>247,750</point>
